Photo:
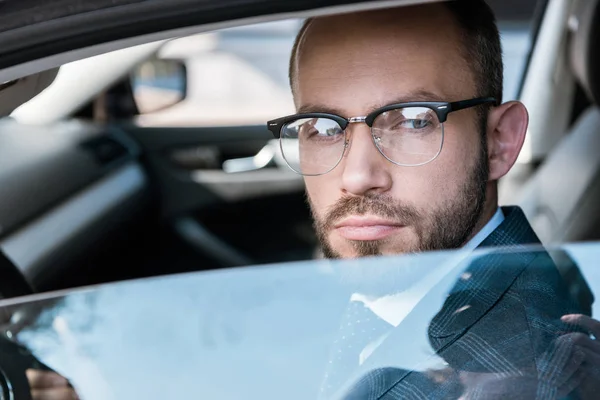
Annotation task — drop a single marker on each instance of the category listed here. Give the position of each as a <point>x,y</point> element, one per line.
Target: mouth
<point>366,228</point>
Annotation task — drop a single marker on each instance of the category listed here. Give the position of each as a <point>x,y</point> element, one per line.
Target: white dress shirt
<point>487,230</point>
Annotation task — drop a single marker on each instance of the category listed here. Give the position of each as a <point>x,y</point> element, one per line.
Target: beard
<point>448,227</point>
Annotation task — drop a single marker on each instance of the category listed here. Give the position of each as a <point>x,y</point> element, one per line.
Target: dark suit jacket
<point>502,319</point>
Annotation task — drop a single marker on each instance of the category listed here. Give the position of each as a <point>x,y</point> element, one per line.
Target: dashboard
<point>63,186</point>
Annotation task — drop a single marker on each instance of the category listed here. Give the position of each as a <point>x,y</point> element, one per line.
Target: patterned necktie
<point>360,332</point>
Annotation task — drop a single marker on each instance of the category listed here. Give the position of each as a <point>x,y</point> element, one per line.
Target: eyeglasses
<point>406,134</point>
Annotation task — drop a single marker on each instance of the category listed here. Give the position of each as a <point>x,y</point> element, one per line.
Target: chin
<point>343,248</point>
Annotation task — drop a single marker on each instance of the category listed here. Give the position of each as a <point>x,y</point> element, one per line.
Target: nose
<point>365,170</point>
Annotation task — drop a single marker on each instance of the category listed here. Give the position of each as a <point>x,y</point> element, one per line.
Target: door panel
<point>188,164</point>
<point>249,185</point>
<point>259,214</point>
<point>268,230</point>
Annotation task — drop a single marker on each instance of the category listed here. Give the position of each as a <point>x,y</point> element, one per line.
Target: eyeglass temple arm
<point>461,105</point>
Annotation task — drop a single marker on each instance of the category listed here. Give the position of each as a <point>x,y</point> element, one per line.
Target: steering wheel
<point>15,360</point>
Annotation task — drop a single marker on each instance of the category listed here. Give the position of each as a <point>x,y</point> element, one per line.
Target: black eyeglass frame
<point>442,109</point>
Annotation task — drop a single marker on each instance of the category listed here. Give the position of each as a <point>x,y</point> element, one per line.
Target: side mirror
<point>158,84</point>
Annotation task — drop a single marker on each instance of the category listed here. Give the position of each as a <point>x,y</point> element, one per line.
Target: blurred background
<point>239,76</point>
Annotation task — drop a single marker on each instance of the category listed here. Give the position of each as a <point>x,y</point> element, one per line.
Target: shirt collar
<point>487,230</point>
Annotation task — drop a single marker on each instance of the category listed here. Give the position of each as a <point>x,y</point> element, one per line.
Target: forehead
<point>357,62</point>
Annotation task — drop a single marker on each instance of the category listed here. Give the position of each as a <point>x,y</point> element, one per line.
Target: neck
<point>489,209</point>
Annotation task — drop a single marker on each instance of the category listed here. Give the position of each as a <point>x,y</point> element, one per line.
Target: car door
<point>222,181</point>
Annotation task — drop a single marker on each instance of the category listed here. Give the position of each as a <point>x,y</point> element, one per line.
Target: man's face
<point>353,64</point>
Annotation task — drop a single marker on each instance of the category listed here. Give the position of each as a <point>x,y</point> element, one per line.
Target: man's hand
<point>46,385</point>
<point>590,348</point>
<point>571,365</point>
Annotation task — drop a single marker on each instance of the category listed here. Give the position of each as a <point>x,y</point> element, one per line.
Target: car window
<point>239,76</point>
<point>285,331</point>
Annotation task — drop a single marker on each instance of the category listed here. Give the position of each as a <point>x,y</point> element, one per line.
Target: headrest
<point>584,24</point>
<point>13,94</point>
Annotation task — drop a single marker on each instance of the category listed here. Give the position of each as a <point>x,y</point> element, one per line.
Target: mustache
<point>382,206</point>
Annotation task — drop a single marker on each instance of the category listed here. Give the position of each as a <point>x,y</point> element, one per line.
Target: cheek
<point>434,184</point>
<point>322,192</point>
<point>460,154</point>
<point>421,187</point>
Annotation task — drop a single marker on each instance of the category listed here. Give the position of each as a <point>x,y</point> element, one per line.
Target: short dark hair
<point>482,48</point>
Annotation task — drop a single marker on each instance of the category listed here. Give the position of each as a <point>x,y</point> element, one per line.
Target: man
<point>402,138</point>
<point>403,194</point>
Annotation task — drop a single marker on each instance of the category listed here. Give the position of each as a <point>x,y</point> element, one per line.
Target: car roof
<point>38,35</point>
<point>35,29</point>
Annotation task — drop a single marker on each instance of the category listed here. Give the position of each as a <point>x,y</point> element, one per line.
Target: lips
<point>365,228</point>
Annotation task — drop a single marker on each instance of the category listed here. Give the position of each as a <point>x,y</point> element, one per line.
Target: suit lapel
<point>513,231</point>
<point>485,281</point>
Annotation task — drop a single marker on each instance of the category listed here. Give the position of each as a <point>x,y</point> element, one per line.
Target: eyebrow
<point>415,96</point>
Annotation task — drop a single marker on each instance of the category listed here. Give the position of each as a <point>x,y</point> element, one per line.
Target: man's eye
<point>413,124</point>
<point>420,123</point>
<point>320,129</point>
<point>330,132</point>
<point>324,133</point>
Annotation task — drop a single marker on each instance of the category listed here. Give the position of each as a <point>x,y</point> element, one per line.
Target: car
<point>182,182</point>
<point>142,195</point>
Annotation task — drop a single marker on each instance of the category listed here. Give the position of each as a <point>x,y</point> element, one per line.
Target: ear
<point>506,130</point>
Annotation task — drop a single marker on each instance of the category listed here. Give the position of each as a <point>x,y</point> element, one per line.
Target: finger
<point>65,393</point>
<point>583,321</point>
<point>45,379</point>
<point>583,341</point>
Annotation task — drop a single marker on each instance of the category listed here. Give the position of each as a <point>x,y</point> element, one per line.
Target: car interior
<point>561,198</point>
<point>96,197</point>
